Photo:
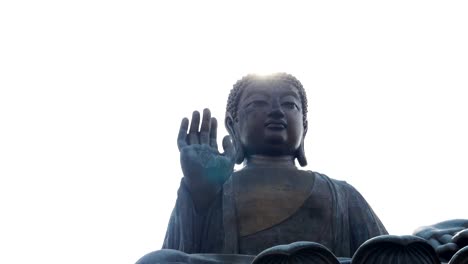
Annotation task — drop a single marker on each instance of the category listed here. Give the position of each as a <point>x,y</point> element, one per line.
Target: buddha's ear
<point>231,128</point>
<point>301,158</point>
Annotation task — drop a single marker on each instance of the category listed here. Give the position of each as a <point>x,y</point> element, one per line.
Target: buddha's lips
<point>276,124</point>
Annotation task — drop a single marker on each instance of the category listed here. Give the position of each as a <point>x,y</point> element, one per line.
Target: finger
<point>205,127</point>
<point>434,243</point>
<point>193,133</point>
<point>228,147</point>
<point>444,239</point>
<point>461,238</point>
<point>424,232</point>
<point>451,231</point>
<point>446,251</point>
<point>181,138</point>
<point>213,133</point>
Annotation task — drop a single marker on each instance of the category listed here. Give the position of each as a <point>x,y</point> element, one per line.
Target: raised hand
<point>205,169</point>
<point>446,237</point>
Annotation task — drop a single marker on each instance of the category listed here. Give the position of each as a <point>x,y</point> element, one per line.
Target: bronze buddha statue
<point>269,201</point>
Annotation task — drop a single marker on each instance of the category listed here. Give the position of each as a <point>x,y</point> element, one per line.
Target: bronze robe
<point>260,209</point>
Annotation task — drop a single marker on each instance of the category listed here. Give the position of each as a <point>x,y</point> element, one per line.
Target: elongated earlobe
<point>239,151</point>
<point>301,158</point>
<point>300,155</point>
<point>240,156</point>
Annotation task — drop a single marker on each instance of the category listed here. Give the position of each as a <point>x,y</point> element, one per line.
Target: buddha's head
<point>267,115</point>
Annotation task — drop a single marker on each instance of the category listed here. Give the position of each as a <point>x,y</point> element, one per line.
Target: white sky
<point>92,94</point>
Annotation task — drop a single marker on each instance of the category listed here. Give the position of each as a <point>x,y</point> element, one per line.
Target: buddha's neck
<point>270,161</point>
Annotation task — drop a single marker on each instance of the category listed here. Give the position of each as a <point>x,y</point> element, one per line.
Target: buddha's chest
<point>285,201</point>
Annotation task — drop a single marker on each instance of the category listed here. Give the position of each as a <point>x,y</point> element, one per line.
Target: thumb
<point>228,147</point>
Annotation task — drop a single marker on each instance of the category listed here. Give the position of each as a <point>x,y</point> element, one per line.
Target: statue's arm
<point>181,227</point>
<point>195,225</point>
<point>364,222</point>
<point>191,231</point>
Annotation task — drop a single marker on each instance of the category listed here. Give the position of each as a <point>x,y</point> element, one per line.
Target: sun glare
<point>264,72</point>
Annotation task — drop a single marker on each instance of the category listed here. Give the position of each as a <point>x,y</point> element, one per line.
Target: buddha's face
<point>270,120</point>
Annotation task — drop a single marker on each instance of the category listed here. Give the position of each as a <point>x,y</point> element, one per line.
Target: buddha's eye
<point>290,105</point>
<point>257,103</point>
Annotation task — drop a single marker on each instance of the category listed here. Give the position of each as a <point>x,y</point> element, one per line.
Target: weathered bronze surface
<point>226,216</point>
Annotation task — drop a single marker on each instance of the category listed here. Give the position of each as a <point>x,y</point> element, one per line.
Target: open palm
<point>205,169</point>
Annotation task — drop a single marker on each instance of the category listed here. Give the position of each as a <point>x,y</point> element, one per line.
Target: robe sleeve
<point>363,222</point>
<point>193,232</point>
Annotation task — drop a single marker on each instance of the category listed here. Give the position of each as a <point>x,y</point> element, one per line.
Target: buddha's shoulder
<point>335,184</point>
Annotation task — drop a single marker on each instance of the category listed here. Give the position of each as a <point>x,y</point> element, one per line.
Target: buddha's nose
<point>276,110</point>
